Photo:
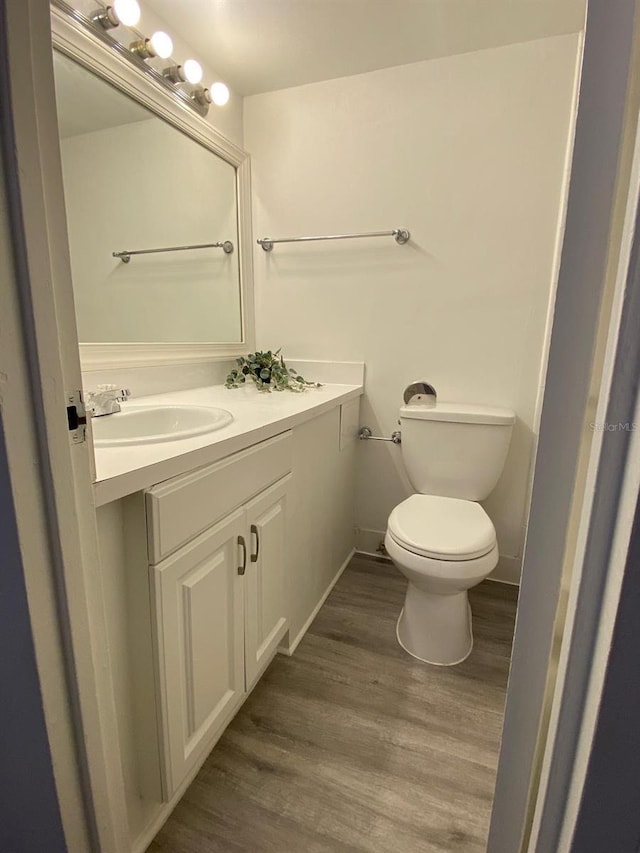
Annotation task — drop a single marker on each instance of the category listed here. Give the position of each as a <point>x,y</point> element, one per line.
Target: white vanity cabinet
<point>189,633</point>
<point>218,598</point>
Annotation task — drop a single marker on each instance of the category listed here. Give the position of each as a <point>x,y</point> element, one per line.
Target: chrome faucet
<point>105,400</point>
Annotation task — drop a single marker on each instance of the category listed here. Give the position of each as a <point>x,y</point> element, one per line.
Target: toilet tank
<point>455,450</point>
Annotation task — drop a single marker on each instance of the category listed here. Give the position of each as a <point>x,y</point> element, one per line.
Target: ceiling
<point>85,103</point>
<point>262,45</point>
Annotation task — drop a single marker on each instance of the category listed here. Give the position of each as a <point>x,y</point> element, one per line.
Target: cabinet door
<point>198,603</point>
<point>266,619</point>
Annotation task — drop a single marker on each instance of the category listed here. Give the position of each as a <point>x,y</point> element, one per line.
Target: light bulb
<point>127,11</point>
<point>161,44</point>
<point>219,94</point>
<point>192,71</point>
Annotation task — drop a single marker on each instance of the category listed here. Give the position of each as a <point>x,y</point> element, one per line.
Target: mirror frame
<point>72,38</point>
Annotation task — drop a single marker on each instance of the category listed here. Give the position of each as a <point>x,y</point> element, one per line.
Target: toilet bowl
<point>441,539</point>
<point>443,546</point>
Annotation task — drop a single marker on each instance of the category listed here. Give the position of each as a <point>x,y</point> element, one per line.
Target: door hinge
<point>76,417</point>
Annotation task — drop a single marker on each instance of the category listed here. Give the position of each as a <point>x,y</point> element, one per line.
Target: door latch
<point>76,417</point>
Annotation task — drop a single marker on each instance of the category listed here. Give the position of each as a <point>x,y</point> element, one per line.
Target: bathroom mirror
<point>145,177</point>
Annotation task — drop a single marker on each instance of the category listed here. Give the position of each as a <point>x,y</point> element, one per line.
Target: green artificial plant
<point>269,371</point>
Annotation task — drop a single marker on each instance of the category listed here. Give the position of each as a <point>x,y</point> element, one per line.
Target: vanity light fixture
<point>159,44</point>
<point>190,72</point>
<point>126,12</point>
<point>217,94</point>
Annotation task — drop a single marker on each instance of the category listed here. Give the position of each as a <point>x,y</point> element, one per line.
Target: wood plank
<point>352,745</point>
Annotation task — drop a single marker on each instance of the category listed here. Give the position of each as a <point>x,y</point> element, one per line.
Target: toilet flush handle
<point>420,393</point>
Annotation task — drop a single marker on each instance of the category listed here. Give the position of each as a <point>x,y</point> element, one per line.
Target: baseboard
<point>373,558</point>
<point>369,541</point>
<point>289,650</point>
<point>507,571</point>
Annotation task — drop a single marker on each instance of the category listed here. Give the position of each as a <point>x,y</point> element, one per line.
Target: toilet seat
<point>442,528</point>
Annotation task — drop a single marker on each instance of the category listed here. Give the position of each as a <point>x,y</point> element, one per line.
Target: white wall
<point>145,185</point>
<point>468,153</point>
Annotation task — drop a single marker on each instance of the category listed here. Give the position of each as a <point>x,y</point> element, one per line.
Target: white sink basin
<point>153,424</point>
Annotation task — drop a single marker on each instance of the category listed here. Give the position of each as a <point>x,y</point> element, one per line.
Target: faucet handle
<point>420,393</point>
<point>105,400</point>
<point>113,391</point>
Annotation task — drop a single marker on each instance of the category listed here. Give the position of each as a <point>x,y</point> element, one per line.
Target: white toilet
<point>441,539</point>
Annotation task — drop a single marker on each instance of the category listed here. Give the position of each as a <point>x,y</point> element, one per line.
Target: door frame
<point>580,468</point>
<point>604,542</point>
<point>51,476</point>
<point>24,733</point>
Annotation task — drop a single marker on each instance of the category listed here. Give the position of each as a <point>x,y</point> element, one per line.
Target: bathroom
<point>253,681</point>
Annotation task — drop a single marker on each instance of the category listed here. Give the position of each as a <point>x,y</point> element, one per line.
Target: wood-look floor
<point>352,745</point>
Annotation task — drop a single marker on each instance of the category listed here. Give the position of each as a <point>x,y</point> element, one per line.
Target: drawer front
<point>183,507</point>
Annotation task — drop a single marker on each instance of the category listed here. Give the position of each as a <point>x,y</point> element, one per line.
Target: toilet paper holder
<point>420,393</point>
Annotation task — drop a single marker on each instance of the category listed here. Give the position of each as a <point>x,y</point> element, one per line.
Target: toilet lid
<point>442,528</point>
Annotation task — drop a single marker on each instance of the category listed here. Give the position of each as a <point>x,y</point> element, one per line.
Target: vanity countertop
<point>122,471</point>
